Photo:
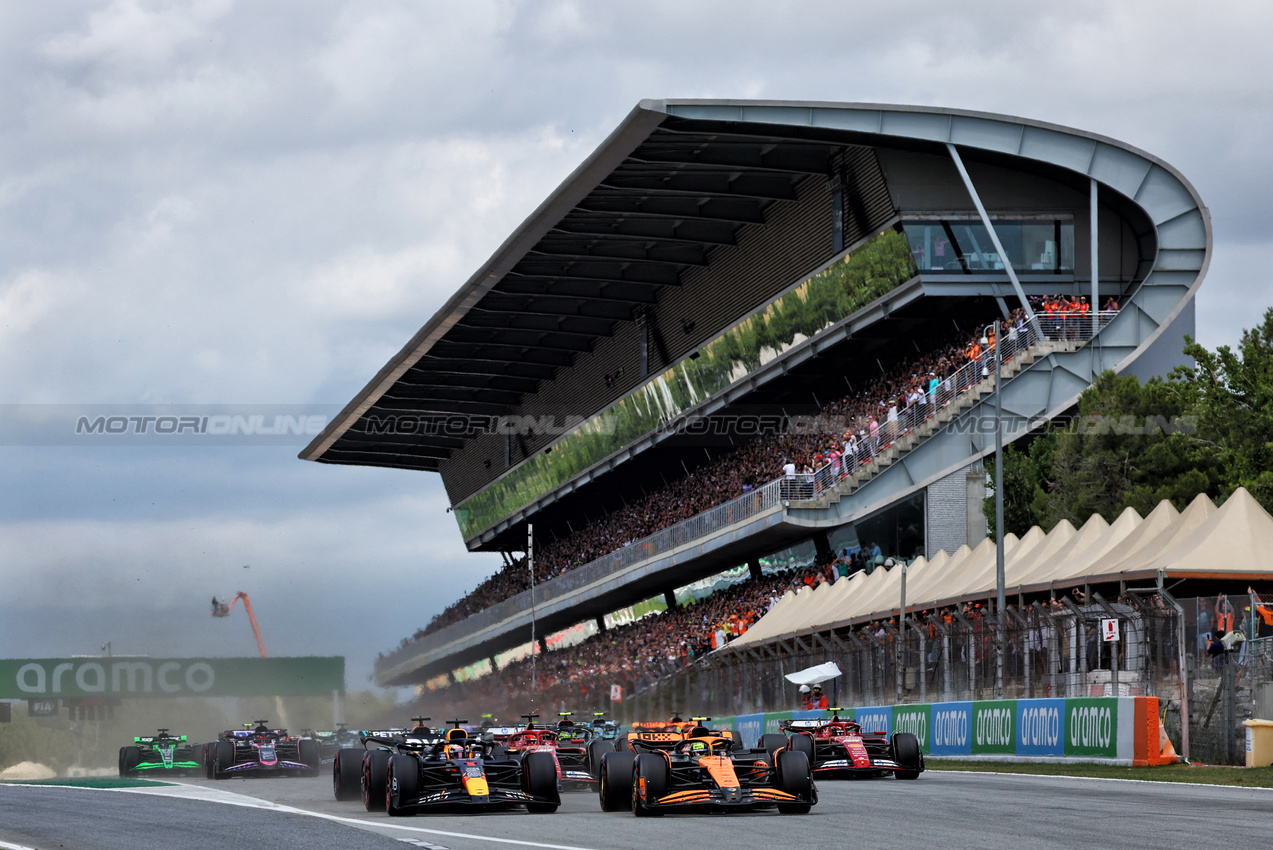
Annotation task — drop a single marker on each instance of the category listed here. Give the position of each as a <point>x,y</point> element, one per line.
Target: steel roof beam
<point>776,160</point>
<point>399,405</point>
<point>483,395</point>
<point>478,380</point>
<point>737,210</point>
<point>664,279</point>
<point>540,325</point>
<point>710,233</point>
<point>397,460</point>
<point>364,441</point>
<point>575,290</point>
<point>473,352</point>
<point>544,305</point>
<point>553,252</point>
<point>516,320</point>
<point>449,366</point>
<point>714,183</point>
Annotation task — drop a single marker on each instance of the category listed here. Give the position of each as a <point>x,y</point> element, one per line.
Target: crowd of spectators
<point>635,655</point>
<point>850,430</point>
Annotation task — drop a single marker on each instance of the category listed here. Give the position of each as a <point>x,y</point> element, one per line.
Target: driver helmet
<point>698,748</point>
<point>454,751</point>
<point>804,689</point>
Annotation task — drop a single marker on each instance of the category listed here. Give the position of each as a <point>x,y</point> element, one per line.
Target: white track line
<point>4,845</point>
<point>216,795</point>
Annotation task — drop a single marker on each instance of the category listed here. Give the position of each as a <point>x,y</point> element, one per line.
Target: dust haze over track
<point>951,809</point>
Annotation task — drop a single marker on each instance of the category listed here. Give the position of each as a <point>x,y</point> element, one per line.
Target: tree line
<point>1205,428</point>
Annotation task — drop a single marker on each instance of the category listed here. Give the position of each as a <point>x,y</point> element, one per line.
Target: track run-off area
<point>941,809</point>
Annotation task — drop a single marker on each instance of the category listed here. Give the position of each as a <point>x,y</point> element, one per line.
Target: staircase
<point>952,410</point>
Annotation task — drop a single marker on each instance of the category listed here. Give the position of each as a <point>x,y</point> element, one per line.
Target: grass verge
<point>1246,777</point>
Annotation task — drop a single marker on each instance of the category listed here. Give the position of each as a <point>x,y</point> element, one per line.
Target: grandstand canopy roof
<point>652,202</point>
<point>1232,542</point>
<point>674,182</point>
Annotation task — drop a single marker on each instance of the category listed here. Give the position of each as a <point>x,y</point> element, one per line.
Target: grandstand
<point>725,287</point>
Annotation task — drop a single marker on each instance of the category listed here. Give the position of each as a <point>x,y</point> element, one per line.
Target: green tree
<point>1233,393</point>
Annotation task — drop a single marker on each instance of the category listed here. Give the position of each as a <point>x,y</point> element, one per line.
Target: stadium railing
<point>802,486</point>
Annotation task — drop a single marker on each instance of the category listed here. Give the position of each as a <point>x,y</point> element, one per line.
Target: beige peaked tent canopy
<point>1202,541</point>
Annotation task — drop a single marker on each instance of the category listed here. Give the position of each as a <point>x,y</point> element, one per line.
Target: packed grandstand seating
<point>870,418</point>
<point>635,655</point>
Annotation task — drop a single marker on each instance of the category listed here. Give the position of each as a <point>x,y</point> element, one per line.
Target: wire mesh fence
<point>1052,648</point>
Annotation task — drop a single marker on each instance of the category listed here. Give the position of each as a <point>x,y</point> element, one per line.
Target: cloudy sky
<point>256,203</point>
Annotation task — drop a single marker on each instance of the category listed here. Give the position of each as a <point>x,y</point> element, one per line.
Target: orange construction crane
<point>221,609</point>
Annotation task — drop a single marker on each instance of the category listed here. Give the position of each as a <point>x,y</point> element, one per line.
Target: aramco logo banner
<point>35,678</point>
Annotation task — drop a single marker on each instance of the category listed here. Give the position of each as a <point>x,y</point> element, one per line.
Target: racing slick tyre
<point>373,780</point>
<point>347,773</point>
<point>649,779</point>
<point>307,752</point>
<point>906,752</point>
<point>596,750</point>
<point>540,772</point>
<point>801,743</point>
<point>402,784</point>
<point>208,751</point>
<point>615,786</point>
<point>771,742</point>
<point>795,777</point>
<point>222,758</point>
<point>129,758</point>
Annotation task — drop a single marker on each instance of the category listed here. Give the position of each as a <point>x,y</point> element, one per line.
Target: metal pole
<point>530,564</point>
<point>1000,609</point>
<point>990,228</point>
<point>899,654</point>
<point>1096,267</point>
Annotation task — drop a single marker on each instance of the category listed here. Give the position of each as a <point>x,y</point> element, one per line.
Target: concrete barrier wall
<point>1115,730</point>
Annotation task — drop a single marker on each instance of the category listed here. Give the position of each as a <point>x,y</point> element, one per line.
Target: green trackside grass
<point>1246,777</point>
<point>89,782</point>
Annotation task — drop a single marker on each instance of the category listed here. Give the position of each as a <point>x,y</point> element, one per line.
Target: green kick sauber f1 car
<point>161,753</point>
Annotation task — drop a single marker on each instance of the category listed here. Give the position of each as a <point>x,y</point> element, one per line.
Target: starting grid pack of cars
<point>652,769</point>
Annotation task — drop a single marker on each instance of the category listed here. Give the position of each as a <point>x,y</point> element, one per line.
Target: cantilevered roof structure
<point>666,202</point>
<point>694,217</point>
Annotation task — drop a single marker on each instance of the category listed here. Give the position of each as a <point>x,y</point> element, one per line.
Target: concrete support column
<point>822,545</point>
<point>669,596</point>
<point>753,567</point>
<point>601,625</point>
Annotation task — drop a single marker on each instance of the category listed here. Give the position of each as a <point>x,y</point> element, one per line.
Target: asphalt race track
<point>940,810</point>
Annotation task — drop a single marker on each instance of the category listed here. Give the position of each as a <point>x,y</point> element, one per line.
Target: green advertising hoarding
<point>43,678</point>
<point>1091,727</point>
<point>913,719</point>
<point>994,726</point>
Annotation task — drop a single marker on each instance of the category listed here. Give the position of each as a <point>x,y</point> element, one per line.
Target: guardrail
<point>801,486</point>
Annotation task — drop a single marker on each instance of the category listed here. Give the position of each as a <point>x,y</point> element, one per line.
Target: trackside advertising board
<point>1092,727</point>
<point>36,678</point>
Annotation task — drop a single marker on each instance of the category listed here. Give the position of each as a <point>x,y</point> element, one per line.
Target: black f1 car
<point>359,772</point>
<point>425,771</point>
<point>161,753</point>
<point>705,771</point>
<point>261,750</point>
<point>459,773</point>
<point>839,748</point>
<point>332,741</point>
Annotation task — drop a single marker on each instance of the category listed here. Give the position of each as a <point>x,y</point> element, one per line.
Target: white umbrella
<point>815,675</point>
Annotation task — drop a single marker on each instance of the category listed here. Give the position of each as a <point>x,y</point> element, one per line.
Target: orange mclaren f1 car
<point>705,771</point>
